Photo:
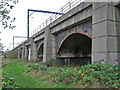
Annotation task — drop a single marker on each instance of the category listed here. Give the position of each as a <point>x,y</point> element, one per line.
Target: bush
<point>51,63</point>
<point>102,74</point>
<point>12,55</point>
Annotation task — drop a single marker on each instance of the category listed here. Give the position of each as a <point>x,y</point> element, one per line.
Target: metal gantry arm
<point>50,12</point>
<point>45,11</point>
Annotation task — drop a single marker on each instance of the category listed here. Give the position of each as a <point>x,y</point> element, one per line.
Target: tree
<point>5,7</point>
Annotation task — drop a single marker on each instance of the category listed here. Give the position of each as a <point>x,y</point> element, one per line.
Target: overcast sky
<point>20,12</point>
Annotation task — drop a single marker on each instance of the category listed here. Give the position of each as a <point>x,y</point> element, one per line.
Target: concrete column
<point>47,51</point>
<point>33,50</point>
<point>29,55</point>
<point>54,51</point>
<point>118,27</point>
<point>23,51</point>
<point>19,52</point>
<point>105,32</point>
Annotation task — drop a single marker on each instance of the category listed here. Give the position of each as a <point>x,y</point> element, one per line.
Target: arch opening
<point>75,49</point>
<point>40,52</point>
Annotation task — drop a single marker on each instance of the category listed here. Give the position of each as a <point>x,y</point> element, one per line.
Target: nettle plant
<point>103,74</point>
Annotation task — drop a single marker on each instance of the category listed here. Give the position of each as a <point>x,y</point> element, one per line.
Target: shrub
<point>102,74</point>
<point>52,62</point>
<point>12,55</point>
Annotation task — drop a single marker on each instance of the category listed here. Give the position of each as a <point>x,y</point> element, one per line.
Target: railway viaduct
<point>88,32</point>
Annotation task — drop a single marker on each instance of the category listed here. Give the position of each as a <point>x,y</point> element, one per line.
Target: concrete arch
<point>76,45</point>
<point>82,33</point>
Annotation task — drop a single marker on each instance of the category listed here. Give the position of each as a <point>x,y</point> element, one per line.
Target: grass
<point>16,69</point>
<point>17,73</point>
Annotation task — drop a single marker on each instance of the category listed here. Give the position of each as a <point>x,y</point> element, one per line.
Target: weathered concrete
<point>72,19</point>
<point>19,52</point>
<point>105,32</point>
<point>84,27</point>
<point>47,45</point>
<point>26,53</point>
<point>33,50</point>
<point>23,51</point>
<point>54,50</point>
<point>39,37</point>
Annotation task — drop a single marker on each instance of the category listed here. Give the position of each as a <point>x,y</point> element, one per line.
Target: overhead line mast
<point>42,11</point>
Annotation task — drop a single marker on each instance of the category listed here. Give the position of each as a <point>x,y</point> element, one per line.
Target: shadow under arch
<point>40,51</point>
<point>75,48</point>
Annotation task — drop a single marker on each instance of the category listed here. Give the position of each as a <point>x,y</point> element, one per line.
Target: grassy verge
<point>23,74</point>
<point>18,74</point>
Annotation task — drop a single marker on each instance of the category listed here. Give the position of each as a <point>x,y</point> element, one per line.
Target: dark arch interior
<point>40,52</point>
<point>75,48</point>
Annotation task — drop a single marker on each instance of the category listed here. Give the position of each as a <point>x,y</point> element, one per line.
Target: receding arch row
<point>75,46</point>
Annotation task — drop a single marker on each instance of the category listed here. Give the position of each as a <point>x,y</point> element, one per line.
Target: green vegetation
<point>11,55</point>
<point>23,74</point>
